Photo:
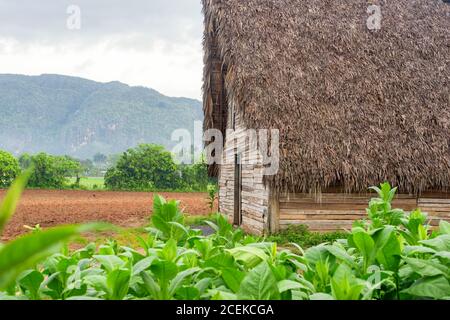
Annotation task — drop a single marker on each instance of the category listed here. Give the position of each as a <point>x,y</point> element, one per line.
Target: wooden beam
<point>274,212</point>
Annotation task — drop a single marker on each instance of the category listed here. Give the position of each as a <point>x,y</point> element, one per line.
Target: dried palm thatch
<point>354,107</point>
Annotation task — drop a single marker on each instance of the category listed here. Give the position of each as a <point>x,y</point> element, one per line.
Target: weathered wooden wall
<point>437,205</point>
<point>337,211</point>
<point>254,194</point>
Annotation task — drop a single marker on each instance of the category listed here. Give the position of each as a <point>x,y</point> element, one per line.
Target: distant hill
<point>68,115</point>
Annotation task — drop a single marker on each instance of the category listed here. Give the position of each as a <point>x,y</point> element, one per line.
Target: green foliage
<point>52,171</point>
<point>301,235</point>
<point>373,261</point>
<point>168,219</point>
<point>9,169</point>
<point>195,177</point>
<point>146,167</point>
<point>152,168</point>
<point>259,284</point>
<point>212,195</point>
<point>25,161</point>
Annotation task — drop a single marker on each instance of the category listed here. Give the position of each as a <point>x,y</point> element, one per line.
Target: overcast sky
<point>152,43</point>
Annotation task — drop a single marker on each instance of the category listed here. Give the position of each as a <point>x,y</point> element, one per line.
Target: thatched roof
<point>354,107</point>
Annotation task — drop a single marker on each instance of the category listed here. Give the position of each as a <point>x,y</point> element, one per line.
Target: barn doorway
<point>237,190</point>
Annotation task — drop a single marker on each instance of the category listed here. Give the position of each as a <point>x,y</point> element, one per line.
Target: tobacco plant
<point>391,255</point>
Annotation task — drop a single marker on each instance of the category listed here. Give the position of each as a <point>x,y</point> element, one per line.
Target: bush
<point>195,177</point>
<point>151,168</point>
<point>25,161</point>
<point>52,171</point>
<point>301,235</point>
<point>146,167</point>
<point>9,169</point>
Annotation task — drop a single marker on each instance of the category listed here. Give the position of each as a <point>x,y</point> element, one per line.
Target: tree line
<point>147,167</point>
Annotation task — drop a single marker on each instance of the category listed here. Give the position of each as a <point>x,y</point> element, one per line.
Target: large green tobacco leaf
<point>109,262</point>
<point>317,254</point>
<point>164,271</point>
<point>440,243</point>
<point>259,284</point>
<point>389,253</point>
<point>150,285</point>
<point>342,255</point>
<point>203,284</point>
<point>143,265</point>
<point>99,283</point>
<point>166,217</point>
<point>435,287</point>
<point>169,252</point>
<point>286,285</point>
<point>365,244</point>
<point>414,227</point>
<point>444,255</point>
<point>177,282</point>
<point>381,237</point>
<point>412,250</point>
<point>118,282</point>
<point>250,256</point>
<point>444,227</point>
<point>230,272</point>
<point>27,250</point>
<point>344,285</point>
<point>427,268</point>
<point>9,203</point>
<point>30,281</point>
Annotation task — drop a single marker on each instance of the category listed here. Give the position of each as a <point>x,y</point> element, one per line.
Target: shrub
<point>301,235</point>
<point>25,161</point>
<point>9,169</point>
<point>146,167</point>
<point>195,177</point>
<point>151,168</point>
<point>52,171</point>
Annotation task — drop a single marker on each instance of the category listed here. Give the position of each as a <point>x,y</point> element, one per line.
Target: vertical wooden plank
<point>237,190</point>
<point>274,211</point>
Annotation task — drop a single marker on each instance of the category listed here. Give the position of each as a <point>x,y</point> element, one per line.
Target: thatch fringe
<point>354,107</point>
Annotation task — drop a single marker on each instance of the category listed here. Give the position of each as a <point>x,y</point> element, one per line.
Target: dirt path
<point>126,209</point>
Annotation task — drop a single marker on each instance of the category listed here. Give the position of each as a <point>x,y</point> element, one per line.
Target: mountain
<point>68,115</point>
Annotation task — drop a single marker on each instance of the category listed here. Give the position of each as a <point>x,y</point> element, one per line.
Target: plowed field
<point>126,209</point>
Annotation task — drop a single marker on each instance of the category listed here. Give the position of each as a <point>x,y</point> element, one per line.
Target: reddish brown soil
<point>126,209</point>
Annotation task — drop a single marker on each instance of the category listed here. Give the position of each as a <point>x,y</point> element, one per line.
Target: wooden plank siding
<point>255,196</point>
<point>337,211</point>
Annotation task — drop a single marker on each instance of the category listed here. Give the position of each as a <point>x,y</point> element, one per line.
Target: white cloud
<point>159,48</point>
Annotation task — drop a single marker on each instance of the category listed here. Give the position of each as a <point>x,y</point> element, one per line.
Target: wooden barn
<point>355,105</point>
